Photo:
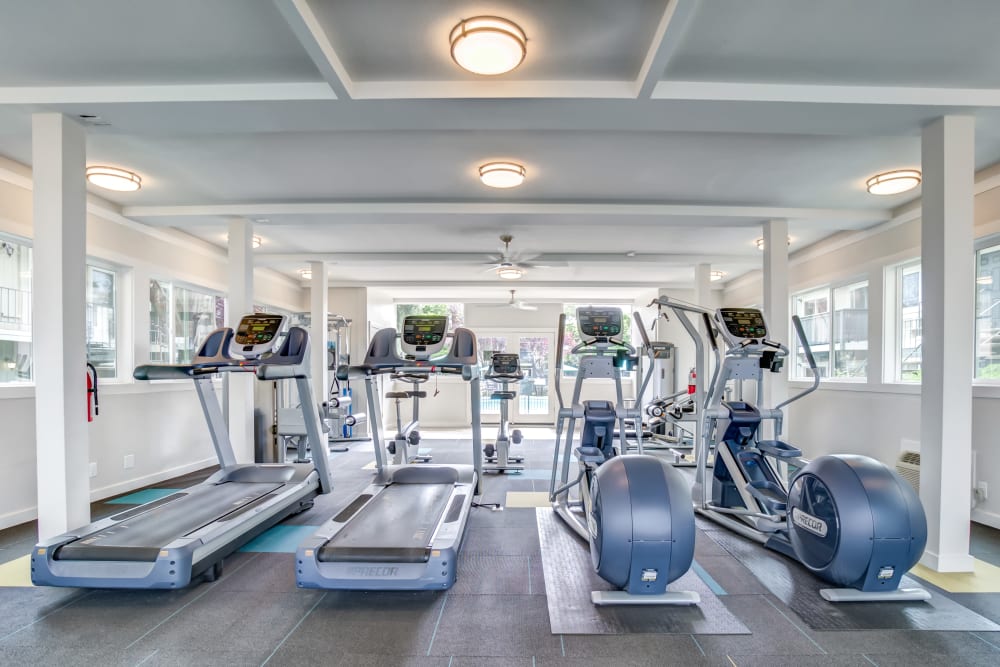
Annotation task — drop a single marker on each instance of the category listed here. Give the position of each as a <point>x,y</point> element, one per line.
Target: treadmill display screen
<point>505,364</point>
<point>744,323</point>
<point>424,329</point>
<point>599,322</point>
<point>258,329</point>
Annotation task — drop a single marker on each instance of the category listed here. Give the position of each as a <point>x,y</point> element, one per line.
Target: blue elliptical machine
<point>849,519</point>
<point>633,509</point>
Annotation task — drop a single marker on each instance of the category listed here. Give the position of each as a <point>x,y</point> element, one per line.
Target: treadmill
<point>405,529</point>
<point>168,542</point>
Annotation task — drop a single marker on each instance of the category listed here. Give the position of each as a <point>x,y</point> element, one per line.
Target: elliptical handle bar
<point>560,337</point>
<point>800,333</point>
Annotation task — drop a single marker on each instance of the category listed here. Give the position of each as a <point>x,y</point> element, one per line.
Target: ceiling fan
<point>512,303</point>
<point>511,266</point>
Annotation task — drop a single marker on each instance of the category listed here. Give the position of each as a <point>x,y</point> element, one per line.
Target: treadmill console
<point>505,364</point>
<point>600,323</point>
<point>423,335</point>
<point>256,335</point>
<point>740,324</point>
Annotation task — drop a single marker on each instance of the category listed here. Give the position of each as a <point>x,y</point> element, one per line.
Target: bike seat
<point>397,394</point>
<point>417,394</point>
<point>503,395</point>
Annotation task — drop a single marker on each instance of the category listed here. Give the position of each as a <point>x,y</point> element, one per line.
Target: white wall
<point>161,424</point>
<point>878,418</point>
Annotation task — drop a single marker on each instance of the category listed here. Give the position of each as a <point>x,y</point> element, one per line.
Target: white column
<point>240,302</point>
<point>947,270</point>
<point>58,154</point>
<point>703,297</point>
<point>319,301</point>
<point>776,305</point>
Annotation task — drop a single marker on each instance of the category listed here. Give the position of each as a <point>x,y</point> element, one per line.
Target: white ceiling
<point>671,130</point>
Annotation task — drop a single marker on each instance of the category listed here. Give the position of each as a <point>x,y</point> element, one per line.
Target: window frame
<point>171,333</point>
<point>981,244</point>
<point>892,314</point>
<point>794,346</point>
<point>124,344</point>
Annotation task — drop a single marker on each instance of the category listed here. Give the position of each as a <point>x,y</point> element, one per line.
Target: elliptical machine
<point>632,509</point>
<point>505,369</point>
<point>849,519</point>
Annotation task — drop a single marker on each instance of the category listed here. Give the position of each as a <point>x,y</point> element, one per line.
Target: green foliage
<point>455,311</point>
<point>990,372</point>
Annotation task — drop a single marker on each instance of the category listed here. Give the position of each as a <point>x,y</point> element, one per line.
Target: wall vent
<point>908,467</point>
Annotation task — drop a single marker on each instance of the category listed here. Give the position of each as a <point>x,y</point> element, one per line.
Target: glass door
<point>535,403</point>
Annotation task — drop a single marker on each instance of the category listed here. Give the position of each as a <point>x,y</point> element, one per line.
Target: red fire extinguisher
<point>92,409</point>
<point>692,380</point>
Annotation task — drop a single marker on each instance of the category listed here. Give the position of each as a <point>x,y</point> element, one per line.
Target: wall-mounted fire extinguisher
<point>692,381</point>
<point>92,406</point>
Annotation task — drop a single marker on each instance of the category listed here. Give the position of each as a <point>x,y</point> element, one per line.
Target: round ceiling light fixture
<point>306,274</point>
<point>893,182</point>
<point>113,178</point>
<point>716,276</point>
<point>488,45</point>
<point>502,174</point>
<point>760,243</point>
<point>510,272</point>
<point>254,241</point>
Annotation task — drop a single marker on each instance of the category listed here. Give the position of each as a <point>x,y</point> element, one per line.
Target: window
<point>15,311</point>
<point>454,311</point>
<point>102,320</point>
<point>988,313</point>
<point>835,322</point>
<point>903,322</point>
<point>571,362</point>
<point>180,318</point>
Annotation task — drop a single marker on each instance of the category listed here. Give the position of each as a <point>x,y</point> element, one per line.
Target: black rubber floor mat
<point>569,579</point>
<point>799,589</point>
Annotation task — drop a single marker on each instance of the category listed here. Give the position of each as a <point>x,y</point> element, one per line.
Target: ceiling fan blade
<point>520,305</point>
<point>547,265</point>
<point>492,267</point>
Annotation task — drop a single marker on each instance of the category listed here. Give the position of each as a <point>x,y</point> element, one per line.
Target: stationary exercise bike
<point>633,509</point>
<point>850,520</point>
<point>405,445</point>
<point>505,369</point>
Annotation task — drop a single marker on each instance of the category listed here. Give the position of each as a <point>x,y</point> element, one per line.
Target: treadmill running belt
<point>141,537</point>
<point>395,527</point>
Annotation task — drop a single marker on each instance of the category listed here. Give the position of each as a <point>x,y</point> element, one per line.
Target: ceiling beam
<point>221,92</point>
<point>675,20</point>
<point>718,91</point>
<point>474,258</point>
<point>749,213</point>
<point>315,40</point>
<point>442,90</point>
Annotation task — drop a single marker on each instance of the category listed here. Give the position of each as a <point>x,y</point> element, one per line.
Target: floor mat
<point>569,579</point>
<point>799,589</point>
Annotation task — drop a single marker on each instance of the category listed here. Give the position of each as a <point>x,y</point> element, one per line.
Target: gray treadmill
<point>168,542</point>
<point>405,529</point>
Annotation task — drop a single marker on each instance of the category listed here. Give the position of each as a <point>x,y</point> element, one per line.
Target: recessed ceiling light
<point>502,174</point>
<point>306,274</point>
<point>630,253</point>
<point>113,178</point>
<point>510,272</point>
<point>716,275</point>
<point>893,182</point>
<point>760,243</point>
<point>254,242</point>
<point>262,219</point>
<point>488,45</point>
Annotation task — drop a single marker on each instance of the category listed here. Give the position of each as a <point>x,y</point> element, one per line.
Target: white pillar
<point>776,306</point>
<point>58,154</point>
<point>319,301</point>
<point>240,302</point>
<point>703,297</point>
<point>947,270</point>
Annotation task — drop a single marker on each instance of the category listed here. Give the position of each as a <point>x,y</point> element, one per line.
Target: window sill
<point>865,387</point>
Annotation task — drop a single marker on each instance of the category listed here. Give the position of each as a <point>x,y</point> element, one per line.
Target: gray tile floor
<point>495,615</point>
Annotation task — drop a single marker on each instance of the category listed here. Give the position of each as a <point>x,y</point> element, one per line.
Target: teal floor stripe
<point>281,539</point>
<point>707,578</point>
<point>140,497</point>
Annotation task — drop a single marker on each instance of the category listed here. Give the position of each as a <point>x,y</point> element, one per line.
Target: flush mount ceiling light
<point>893,182</point>
<point>760,243</point>
<point>502,174</point>
<point>715,276</point>
<point>488,45</point>
<point>113,178</point>
<point>306,274</point>
<point>510,272</point>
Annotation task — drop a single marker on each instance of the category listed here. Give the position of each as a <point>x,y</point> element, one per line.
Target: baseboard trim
<point>990,519</point>
<point>948,562</point>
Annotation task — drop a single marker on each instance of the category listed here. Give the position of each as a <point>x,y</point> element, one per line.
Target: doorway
<point>535,402</point>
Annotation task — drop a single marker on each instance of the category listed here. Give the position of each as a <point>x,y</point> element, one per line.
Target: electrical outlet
<point>129,461</point>
<point>982,490</point>
<point>93,469</point>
